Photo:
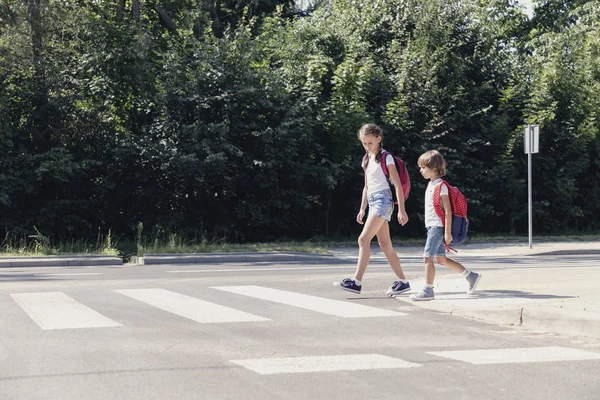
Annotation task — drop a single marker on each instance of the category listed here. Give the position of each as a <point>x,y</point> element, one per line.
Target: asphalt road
<point>268,331</point>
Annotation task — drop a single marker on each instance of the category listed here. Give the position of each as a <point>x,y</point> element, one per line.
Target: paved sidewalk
<point>555,300</point>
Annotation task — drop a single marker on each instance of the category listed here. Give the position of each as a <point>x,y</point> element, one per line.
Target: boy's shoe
<point>425,294</point>
<point>398,287</point>
<point>473,279</point>
<point>349,285</point>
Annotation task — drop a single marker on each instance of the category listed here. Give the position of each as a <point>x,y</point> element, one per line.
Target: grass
<point>40,245</point>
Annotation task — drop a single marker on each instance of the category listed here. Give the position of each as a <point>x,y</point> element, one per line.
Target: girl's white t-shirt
<point>375,178</point>
<point>431,218</point>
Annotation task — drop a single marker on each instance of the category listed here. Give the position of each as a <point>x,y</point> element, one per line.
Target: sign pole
<point>530,188</point>
<point>531,141</point>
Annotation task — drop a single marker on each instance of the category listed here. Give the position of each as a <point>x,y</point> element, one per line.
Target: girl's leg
<point>371,227</point>
<point>385,243</point>
<point>450,263</point>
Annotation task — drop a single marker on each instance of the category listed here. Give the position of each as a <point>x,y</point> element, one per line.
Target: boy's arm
<point>395,178</point>
<point>447,206</point>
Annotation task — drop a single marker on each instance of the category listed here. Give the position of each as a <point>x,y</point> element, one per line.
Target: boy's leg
<point>450,263</point>
<point>434,246</point>
<point>429,271</point>
<point>427,292</point>
<point>471,276</point>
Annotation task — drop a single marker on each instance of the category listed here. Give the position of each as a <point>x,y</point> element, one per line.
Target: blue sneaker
<point>424,295</point>
<point>349,285</point>
<point>473,279</point>
<point>398,287</point>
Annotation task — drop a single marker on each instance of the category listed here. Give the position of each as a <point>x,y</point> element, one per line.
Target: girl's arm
<point>363,204</point>
<point>395,178</point>
<point>447,218</point>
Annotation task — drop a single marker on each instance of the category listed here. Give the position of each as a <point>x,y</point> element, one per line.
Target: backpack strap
<point>437,205</point>
<point>437,201</point>
<point>384,167</point>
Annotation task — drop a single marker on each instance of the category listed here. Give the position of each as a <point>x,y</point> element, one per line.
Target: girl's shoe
<point>425,294</point>
<point>398,287</point>
<point>349,285</point>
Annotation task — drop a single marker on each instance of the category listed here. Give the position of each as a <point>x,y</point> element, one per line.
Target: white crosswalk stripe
<point>190,307</point>
<point>323,305</point>
<point>56,310</point>
<point>297,365</point>
<point>519,355</point>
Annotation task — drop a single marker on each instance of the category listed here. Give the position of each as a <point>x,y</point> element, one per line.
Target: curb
<point>540,318</point>
<point>59,261</point>
<point>572,252</point>
<point>214,258</point>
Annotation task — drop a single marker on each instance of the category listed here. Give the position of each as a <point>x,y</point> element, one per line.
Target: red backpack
<point>460,222</point>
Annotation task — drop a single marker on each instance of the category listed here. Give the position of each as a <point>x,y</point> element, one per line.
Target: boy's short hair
<point>434,160</point>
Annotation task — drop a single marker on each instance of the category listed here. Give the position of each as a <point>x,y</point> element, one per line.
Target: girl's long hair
<point>373,130</point>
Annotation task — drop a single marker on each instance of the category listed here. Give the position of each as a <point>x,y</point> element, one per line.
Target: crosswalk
<point>58,310</point>
<point>63,311</point>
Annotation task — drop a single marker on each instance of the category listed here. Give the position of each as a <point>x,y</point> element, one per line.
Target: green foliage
<point>196,122</point>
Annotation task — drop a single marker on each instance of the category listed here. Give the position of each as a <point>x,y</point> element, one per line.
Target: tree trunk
<point>39,124</point>
<point>121,10</point>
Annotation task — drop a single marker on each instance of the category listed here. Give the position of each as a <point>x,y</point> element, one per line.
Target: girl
<point>433,167</point>
<point>377,194</point>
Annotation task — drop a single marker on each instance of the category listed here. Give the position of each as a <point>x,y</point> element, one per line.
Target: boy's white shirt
<point>375,177</point>
<point>431,218</point>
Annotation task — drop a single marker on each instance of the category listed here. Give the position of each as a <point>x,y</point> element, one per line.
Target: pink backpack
<point>402,172</point>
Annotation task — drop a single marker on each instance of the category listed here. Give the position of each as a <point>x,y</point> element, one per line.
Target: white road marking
<point>190,307</point>
<point>298,365</point>
<point>338,308</point>
<point>348,267</point>
<point>56,310</point>
<point>70,274</point>
<point>520,355</point>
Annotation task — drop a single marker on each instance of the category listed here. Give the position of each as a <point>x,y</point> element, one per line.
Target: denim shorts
<point>435,245</point>
<point>381,204</point>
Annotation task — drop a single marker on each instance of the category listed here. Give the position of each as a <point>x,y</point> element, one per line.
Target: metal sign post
<point>532,144</point>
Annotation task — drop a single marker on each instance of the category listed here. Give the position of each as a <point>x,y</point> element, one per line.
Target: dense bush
<point>239,123</point>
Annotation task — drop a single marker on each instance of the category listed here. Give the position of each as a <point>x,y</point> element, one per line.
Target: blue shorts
<point>435,245</point>
<point>381,204</point>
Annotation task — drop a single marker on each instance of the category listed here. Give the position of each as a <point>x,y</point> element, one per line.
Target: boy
<point>432,166</point>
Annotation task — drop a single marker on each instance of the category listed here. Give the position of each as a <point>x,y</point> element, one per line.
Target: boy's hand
<point>402,217</point>
<point>360,217</point>
<point>448,237</point>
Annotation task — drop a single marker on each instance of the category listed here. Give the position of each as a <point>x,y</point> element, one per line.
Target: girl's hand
<point>360,217</point>
<point>402,217</point>
<point>448,237</point>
